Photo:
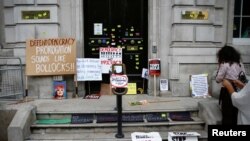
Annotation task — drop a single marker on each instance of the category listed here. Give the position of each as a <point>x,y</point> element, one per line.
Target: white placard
<point>119,81</point>
<point>109,56</point>
<point>199,85</point>
<point>88,69</point>
<point>183,136</point>
<point>141,136</point>
<point>97,28</point>
<point>164,84</point>
<point>144,73</point>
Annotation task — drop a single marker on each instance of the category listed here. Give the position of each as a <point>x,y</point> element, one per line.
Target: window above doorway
<point>241,27</point>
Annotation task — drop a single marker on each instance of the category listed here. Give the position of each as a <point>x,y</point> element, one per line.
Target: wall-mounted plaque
<point>32,15</point>
<point>194,15</point>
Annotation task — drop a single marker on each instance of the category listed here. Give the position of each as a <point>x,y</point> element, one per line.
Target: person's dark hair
<point>228,54</point>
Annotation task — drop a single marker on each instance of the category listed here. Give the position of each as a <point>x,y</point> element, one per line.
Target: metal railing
<point>11,78</point>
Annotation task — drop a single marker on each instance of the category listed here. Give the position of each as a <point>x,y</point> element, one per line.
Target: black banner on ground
<point>82,118</point>
<point>132,117</point>
<point>103,118</point>
<point>180,116</point>
<point>156,117</point>
<point>229,132</point>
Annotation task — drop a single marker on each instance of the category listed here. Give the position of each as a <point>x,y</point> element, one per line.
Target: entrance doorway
<point>118,24</point>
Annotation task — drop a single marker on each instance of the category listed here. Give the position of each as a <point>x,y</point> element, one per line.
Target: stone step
<point>92,128</point>
<point>52,115</point>
<point>111,127</point>
<point>196,120</point>
<point>53,109</point>
<point>104,136</point>
<point>106,104</point>
<point>97,118</point>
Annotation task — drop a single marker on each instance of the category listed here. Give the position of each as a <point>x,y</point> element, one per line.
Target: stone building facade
<point>185,45</point>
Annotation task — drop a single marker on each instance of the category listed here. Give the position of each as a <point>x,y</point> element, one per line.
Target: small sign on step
<point>164,84</point>
<point>142,136</point>
<point>183,136</point>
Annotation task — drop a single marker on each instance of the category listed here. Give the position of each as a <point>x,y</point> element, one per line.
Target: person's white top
<point>241,100</point>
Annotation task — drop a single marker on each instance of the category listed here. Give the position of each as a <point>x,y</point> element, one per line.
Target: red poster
<point>154,67</point>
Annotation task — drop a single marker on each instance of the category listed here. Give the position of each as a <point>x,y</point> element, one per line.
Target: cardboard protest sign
<point>54,56</point>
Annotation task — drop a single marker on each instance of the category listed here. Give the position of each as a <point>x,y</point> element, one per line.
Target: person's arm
<point>239,84</point>
<point>226,83</point>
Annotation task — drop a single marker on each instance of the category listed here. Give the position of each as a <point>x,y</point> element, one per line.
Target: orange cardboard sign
<point>54,56</point>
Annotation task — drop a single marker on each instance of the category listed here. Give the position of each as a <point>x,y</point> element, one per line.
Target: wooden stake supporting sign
<point>154,85</point>
<point>154,70</point>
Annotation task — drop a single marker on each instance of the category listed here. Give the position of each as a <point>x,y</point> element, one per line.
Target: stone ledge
<point>19,127</point>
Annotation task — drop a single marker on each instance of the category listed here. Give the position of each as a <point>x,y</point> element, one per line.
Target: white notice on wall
<point>164,84</point>
<point>97,28</point>
<point>88,69</point>
<point>199,85</point>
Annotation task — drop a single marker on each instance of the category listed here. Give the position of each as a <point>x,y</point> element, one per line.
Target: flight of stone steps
<point>96,119</point>
<point>103,126</point>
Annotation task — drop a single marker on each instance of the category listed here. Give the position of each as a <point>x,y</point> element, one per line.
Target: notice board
<point>53,56</point>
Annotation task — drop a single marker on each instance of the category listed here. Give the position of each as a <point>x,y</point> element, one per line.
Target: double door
<point>118,24</point>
